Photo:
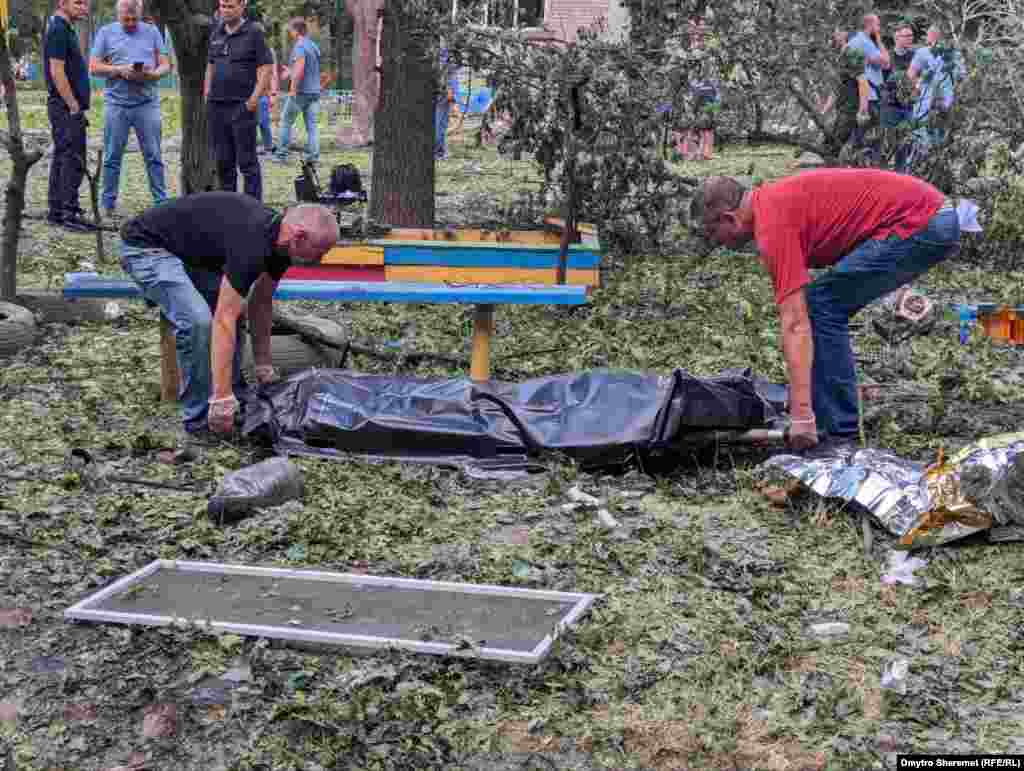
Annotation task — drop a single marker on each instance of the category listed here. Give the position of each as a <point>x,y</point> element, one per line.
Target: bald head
<point>871,23</point>
<point>311,230</point>
<point>128,14</point>
<point>715,196</point>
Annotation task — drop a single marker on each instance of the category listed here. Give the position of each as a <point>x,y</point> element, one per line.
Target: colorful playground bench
<point>471,267</point>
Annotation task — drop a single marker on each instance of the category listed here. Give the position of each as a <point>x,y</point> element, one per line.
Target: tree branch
<point>809,108</point>
<point>771,138</point>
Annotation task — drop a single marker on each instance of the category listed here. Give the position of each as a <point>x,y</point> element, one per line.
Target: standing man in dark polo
<point>67,87</point>
<point>237,75</point>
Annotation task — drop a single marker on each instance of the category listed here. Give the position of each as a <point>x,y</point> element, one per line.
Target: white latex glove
<point>221,415</point>
<point>266,374</point>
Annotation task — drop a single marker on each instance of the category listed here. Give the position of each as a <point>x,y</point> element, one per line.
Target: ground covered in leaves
<point>703,652</point>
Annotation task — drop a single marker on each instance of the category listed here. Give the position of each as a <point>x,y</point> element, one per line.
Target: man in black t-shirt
<point>67,88</point>
<point>237,75</point>
<point>202,258</point>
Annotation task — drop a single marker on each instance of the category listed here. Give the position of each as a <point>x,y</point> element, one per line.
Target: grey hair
<point>318,220</point>
<point>130,5</point>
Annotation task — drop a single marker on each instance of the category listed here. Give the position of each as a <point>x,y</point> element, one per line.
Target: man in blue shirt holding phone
<point>132,56</point>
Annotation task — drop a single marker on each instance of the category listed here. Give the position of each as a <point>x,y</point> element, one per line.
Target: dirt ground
<point>699,654</point>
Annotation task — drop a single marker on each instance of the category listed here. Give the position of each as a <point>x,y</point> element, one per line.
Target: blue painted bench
<point>483,296</point>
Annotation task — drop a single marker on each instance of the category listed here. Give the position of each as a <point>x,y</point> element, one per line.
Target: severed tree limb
<point>771,138</point>
<point>315,329</point>
<point>17,184</point>
<point>808,108</point>
<point>94,198</point>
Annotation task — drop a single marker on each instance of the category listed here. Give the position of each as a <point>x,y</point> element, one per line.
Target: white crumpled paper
<point>901,569</point>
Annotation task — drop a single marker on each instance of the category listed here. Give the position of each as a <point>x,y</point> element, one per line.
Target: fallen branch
<point>771,138</point>
<point>313,329</point>
<point>12,538</point>
<point>94,198</point>
<point>22,162</point>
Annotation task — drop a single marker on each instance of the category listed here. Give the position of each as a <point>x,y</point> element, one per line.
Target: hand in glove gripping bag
<point>221,414</point>
<point>266,374</point>
<point>803,433</point>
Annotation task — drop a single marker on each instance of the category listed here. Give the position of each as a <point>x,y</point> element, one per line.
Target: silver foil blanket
<point>922,504</point>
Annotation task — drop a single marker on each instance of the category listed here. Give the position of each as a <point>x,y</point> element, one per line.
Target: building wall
<point>564,18</point>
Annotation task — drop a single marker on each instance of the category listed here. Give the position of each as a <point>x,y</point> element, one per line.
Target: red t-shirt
<point>813,219</point>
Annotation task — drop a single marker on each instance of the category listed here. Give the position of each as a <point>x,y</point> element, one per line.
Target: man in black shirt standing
<point>203,257</point>
<point>237,75</point>
<point>67,88</point>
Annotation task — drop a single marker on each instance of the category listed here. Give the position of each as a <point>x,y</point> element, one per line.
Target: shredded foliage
<point>698,656</point>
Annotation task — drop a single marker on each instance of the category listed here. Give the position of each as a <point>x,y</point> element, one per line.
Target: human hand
<point>266,374</point>
<point>803,433</point>
<point>863,118</point>
<point>252,103</point>
<point>221,415</point>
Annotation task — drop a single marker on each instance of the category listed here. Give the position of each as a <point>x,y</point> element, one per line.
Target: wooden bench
<point>471,267</point>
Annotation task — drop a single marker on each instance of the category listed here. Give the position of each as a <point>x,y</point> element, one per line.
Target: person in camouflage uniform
<point>851,102</point>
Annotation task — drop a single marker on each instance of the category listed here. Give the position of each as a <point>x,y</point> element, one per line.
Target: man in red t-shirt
<point>877,229</point>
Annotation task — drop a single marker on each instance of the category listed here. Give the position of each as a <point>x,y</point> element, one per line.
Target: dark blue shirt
<point>235,57</point>
<point>61,43</point>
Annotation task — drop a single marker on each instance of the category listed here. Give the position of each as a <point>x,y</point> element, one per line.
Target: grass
<point>698,656</point>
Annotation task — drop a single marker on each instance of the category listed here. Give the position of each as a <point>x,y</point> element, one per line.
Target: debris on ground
<point>270,483</point>
<point>901,569</point>
<point>921,504</point>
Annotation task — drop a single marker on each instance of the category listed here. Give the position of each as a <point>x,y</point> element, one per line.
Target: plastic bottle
<point>269,483</point>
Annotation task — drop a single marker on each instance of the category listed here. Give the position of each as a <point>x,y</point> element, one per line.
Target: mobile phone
<point>137,66</point>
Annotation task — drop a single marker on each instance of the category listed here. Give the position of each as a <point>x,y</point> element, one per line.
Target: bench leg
<point>168,362</point>
<point>483,325</point>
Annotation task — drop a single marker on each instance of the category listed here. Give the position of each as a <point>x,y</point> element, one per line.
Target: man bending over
<point>877,229</point>
<point>204,257</point>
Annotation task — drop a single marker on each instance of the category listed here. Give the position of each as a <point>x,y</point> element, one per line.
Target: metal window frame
<point>515,15</point>
<point>85,610</point>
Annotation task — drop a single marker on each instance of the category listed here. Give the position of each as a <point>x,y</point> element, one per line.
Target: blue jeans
<point>266,131</point>
<point>117,121</point>
<point>872,270</point>
<point>309,106</point>
<point>187,297</point>
<point>441,110</point>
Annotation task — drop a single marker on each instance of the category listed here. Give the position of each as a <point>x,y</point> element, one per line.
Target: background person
<point>303,93</point>
<point>447,87</point>
<point>203,257</point>
<point>237,75</point>
<point>132,56</point>
<point>267,104</point>
<point>68,92</point>
<point>850,97</point>
<point>699,143</point>
<point>897,108</point>
<point>876,59</point>
<point>934,71</point>
<point>877,229</point>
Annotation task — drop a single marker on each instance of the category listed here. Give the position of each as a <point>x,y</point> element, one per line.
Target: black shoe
<point>833,448</point>
<point>78,225</point>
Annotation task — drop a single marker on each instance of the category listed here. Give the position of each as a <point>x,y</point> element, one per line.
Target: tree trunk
<point>16,185</point>
<point>365,77</point>
<point>402,192</point>
<point>191,44</point>
<point>189,26</point>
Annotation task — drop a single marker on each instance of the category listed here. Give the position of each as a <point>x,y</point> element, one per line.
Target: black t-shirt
<point>898,88</point>
<point>232,233</point>
<point>61,42</point>
<point>235,57</point>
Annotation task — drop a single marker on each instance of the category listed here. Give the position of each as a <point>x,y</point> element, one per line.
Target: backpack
<point>345,179</point>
